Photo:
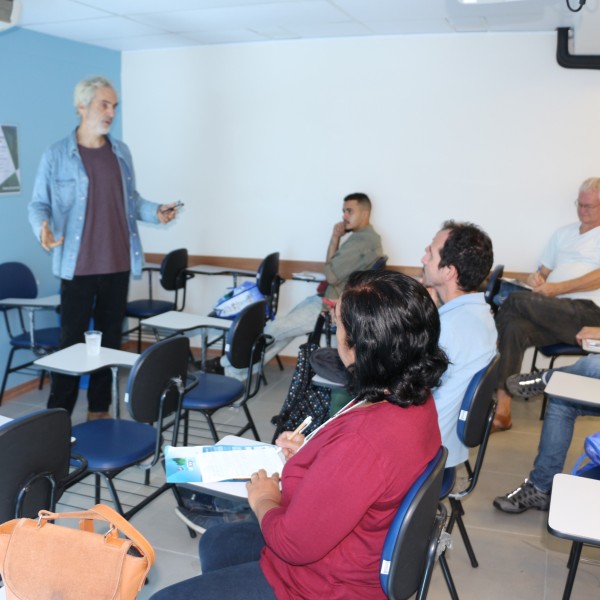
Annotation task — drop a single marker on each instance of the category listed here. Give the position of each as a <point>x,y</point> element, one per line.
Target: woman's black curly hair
<point>394,327</point>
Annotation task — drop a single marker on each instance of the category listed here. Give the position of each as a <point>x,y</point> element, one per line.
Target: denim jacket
<point>60,197</point>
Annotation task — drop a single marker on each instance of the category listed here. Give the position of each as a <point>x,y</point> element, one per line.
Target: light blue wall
<point>37,79</point>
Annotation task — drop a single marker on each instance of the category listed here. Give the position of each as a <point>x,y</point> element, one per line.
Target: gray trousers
<point>527,319</point>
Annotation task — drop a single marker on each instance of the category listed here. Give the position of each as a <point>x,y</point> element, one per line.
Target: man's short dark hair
<point>469,249</point>
<point>362,199</point>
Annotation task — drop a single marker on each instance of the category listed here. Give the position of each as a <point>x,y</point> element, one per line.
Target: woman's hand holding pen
<point>263,493</point>
<point>290,443</point>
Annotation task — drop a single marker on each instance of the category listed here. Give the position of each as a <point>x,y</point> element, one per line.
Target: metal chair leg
<point>97,488</point>
<point>251,422</point>
<point>111,489</point>
<point>212,428</point>
<point>457,514</point>
<point>448,576</point>
<point>7,371</point>
<point>574,560</point>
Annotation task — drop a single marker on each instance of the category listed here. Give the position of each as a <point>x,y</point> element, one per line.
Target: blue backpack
<point>592,454</point>
<point>234,301</point>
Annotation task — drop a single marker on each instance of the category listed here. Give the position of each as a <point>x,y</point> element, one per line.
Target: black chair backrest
<point>493,285</point>
<point>17,281</point>
<point>405,552</point>
<point>476,404</point>
<point>267,271</point>
<point>34,452</point>
<point>243,334</point>
<point>172,269</point>
<point>153,374</point>
<point>379,263</point>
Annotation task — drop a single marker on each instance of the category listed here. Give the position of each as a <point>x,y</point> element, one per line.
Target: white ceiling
<point>150,24</point>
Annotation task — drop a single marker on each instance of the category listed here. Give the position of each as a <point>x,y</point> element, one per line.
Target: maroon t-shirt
<point>105,243</point>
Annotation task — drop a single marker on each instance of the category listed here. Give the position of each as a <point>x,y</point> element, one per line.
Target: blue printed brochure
<point>207,464</point>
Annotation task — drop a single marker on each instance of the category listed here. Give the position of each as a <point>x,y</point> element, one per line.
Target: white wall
<point>262,141</point>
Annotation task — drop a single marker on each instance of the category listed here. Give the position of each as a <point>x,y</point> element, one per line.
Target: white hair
<point>86,89</point>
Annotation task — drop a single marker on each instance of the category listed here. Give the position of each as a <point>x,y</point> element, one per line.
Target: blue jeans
<point>229,556</point>
<point>285,329</point>
<point>557,431</point>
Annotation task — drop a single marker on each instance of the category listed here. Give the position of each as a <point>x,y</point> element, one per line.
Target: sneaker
<point>523,498</point>
<point>202,519</point>
<point>193,500</point>
<point>526,385</point>
<point>199,520</point>
<point>196,500</point>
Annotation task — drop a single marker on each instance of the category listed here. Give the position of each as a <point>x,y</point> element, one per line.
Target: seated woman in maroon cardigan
<point>320,530</point>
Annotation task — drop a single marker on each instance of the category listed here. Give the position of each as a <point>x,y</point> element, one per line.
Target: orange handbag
<point>40,560</point>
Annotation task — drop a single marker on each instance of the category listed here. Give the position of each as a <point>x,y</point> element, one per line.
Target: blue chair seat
<point>44,338</point>
<point>144,309</point>
<point>114,444</point>
<point>18,281</point>
<point>212,392</point>
<point>560,348</point>
<point>153,400</point>
<point>245,344</point>
<point>173,278</point>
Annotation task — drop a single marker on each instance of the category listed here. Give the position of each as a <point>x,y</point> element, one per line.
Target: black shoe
<point>527,385</point>
<point>523,498</point>
<point>213,365</point>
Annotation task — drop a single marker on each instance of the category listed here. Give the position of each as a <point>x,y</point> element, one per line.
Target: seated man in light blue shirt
<point>455,265</point>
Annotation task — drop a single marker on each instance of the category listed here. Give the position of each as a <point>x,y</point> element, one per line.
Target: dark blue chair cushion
<point>144,309</point>
<point>565,349</point>
<point>212,392</point>
<point>113,444</point>
<point>44,338</point>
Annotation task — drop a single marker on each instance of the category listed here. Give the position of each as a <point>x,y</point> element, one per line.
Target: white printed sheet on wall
<point>10,180</point>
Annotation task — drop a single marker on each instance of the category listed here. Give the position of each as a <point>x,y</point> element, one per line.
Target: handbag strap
<point>101,512</point>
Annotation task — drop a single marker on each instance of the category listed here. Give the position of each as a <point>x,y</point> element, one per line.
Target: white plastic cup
<point>93,339</point>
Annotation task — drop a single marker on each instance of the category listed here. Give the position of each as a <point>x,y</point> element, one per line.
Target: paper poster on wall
<point>10,182</point>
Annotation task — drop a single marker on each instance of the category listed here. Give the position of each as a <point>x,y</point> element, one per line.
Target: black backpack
<point>304,399</point>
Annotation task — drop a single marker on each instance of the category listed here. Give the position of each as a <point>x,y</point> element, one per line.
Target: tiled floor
<point>518,558</point>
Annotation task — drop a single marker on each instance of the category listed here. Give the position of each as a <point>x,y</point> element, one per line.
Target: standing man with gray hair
<point>84,210</point>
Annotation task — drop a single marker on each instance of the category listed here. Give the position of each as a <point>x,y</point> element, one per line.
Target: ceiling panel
<point>147,24</point>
